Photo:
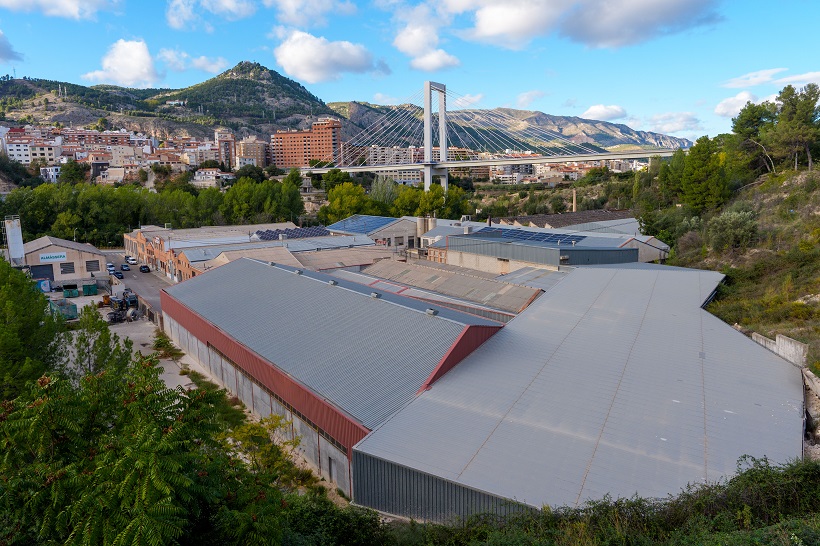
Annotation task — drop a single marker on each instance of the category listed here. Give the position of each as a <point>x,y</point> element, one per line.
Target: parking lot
<point>145,285</point>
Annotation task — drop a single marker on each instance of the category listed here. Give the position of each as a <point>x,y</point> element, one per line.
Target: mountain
<point>254,100</point>
<point>580,131</point>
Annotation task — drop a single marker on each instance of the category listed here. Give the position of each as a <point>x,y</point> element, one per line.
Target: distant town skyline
<point>680,67</point>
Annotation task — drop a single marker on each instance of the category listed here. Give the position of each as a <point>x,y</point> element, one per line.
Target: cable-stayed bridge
<point>432,140</point>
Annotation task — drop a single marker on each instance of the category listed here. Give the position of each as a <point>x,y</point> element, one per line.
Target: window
<point>66,268</point>
<point>92,265</point>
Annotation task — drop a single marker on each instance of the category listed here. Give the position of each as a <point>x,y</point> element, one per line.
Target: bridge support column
<point>430,168</point>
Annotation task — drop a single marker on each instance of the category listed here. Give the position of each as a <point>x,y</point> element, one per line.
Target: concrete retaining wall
<point>790,349</point>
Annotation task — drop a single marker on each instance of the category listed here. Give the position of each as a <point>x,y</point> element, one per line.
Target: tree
<point>73,172</point>
<point>344,201</point>
<point>384,191</point>
<point>703,184</point>
<point>251,171</point>
<point>333,178</point>
<point>797,127</point>
<point>294,177</point>
<point>29,334</point>
<point>557,204</point>
<point>209,164</point>
<point>749,125</point>
<point>407,201</point>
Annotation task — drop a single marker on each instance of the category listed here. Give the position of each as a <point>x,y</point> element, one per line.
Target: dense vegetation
<point>101,214</point>
<point>97,450</point>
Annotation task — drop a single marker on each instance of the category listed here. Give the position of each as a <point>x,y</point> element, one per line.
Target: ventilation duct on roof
<point>331,282</point>
<point>298,271</point>
<point>375,295</point>
<point>431,312</point>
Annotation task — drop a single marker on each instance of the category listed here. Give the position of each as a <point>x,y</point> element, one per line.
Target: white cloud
<point>674,122</point>
<point>468,100</point>
<point>184,14</point>
<point>315,59</point>
<point>127,63</point>
<point>800,79</point>
<point>180,13</point>
<point>729,107</point>
<point>179,60</point>
<point>434,60</point>
<point>230,9</point>
<point>528,97</point>
<point>753,78</point>
<point>70,9</point>
<point>381,98</point>
<point>512,23</point>
<point>207,64</point>
<point>7,52</point>
<point>604,113</point>
<point>309,12</point>
<point>419,39</point>
<point>175,59</point>
<point>618,23</point>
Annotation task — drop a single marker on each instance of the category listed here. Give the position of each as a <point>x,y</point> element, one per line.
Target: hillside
<point>248,98</point>
<point>254,100</point>
<point>598,134</point>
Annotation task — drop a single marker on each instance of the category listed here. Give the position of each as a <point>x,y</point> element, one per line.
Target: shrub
<point>732,230</point>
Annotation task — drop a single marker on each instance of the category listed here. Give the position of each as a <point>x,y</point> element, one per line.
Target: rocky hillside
<point>598,134</point>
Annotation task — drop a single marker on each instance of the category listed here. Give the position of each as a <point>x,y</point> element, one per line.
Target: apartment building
<point>297,148</point>
<point>251,151</point>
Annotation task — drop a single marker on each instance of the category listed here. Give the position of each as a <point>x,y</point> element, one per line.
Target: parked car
<point>118,275</point>
<point>125,267</point>
<point>145,269</point>
<point>131,260</point>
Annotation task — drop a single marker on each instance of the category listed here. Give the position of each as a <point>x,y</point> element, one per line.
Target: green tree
<point>346,200</point>
<point>557,204</point>
<point>73,172</point>
<point>797,127</point>
<point>407,201</point>
<point>294,177</point>
<point>749,126</point>
<point>209,164</point>
<point>703,184</point>
<point>29,335</point>
<point>251,171</point>
<point>333,178</point>
<point>384,191</point>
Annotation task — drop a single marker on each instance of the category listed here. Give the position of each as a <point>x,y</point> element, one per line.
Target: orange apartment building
<point>296,148</point>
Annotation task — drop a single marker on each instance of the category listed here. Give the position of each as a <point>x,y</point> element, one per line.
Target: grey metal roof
<point>43,242</point>
<point>205,253</point>
<point>613,382</point>
<point>368,356</point>
<point>544,279</point>
<point>496,294</point>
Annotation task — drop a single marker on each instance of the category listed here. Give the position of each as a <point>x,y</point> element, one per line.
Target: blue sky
<point>681,67</point>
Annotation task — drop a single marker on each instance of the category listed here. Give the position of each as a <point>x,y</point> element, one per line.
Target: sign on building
<point>53,257</point>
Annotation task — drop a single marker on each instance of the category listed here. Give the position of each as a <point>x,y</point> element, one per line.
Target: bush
<point>732,230</point>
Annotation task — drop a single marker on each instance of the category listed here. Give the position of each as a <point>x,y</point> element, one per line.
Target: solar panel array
<point>296,233</point>
<point>361,223</point>
<point>534,236</point>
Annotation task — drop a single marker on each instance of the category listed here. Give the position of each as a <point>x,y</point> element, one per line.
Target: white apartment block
<point>49,153</point>
<point>50,174</point>
<point>19,152</point>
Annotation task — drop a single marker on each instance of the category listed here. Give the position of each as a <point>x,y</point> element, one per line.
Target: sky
<point>679,67</point>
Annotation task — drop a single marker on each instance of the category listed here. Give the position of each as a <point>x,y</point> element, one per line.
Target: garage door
<point>43,272</point>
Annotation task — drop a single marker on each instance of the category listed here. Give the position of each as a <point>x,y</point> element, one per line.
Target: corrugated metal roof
<point>43,242</point>
<point>613,382</point>
<point>499,295</point>
<point>204,253</point>
<point>368,356</point>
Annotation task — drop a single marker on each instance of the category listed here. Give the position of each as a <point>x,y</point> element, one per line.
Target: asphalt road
<point>146,285</point>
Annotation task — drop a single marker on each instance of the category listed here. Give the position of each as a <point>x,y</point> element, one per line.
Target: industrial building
<point>63,262</point>
<point>573,383</point>
<point>614,382</point>
<point>335,357</point>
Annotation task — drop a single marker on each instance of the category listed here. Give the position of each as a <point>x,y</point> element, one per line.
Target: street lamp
<point>75,235</point>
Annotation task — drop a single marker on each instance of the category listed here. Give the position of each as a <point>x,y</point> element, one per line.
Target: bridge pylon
<point>431,167</point>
